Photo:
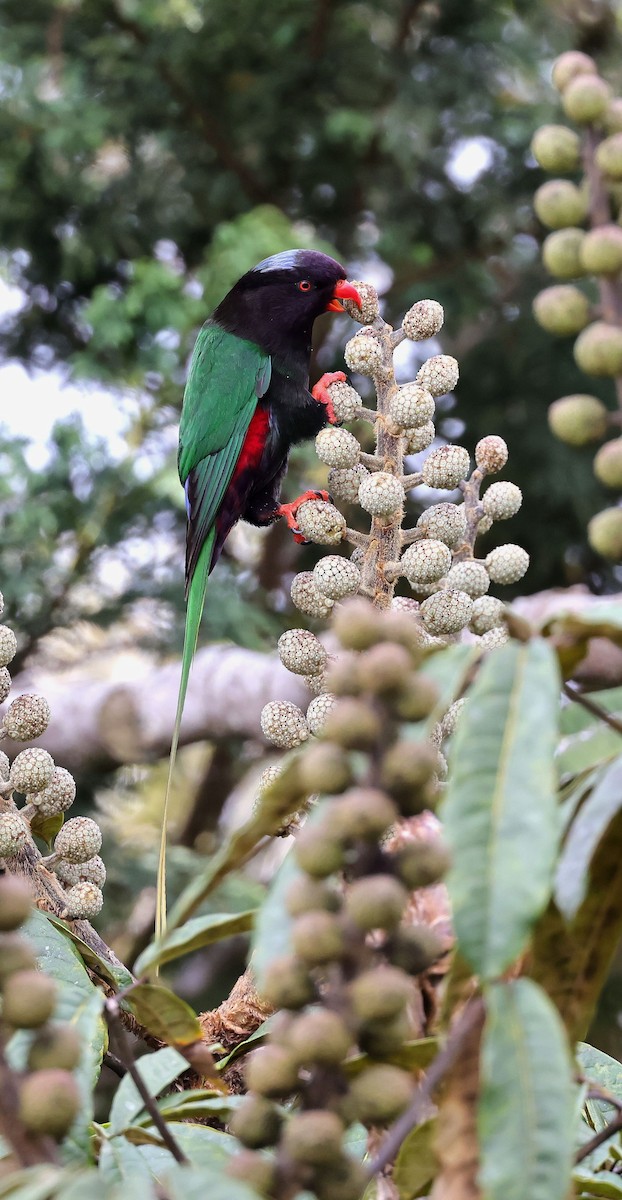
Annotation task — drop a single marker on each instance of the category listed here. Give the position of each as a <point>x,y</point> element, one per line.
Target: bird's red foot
<point>321,394</point>
<point>288,511</point>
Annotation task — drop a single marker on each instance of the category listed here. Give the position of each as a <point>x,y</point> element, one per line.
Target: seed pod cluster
<point>347,981</point>
<point>48,791</point>
<point>48,1094</point>
<point>573,252</point>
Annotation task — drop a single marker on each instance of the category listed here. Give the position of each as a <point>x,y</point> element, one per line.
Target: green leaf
<point>33,1183</point>
<point>588,749</point>
<point>157,1071</point>
<point>193,935</point>
<point>500,812</point>
<point>80,1003</point>
<point>586,831</point>
<point>196,1183</point>
<point>46,828</point>
<point>412,1056</point>
<point>448,669</point>
<point>600,1183</point>
<point>206,1148</point>
<point>114,973</point>
<point>600,1068</point>
<point>526,1106</point>
<point>575,717</point>
<point>163,1014</point>
<point>416,1163</point>
<point>271,938</point>
<point>195,1102</point>
<point>253,1042</point>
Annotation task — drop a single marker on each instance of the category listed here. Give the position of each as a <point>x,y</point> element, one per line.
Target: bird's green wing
<point>226,378</point>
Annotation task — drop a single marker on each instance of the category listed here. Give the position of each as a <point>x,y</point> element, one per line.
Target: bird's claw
<point>289,511</point>
<point>320,393</point>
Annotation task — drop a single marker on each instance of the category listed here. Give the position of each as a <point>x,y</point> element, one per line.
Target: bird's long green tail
<point>194,612</point>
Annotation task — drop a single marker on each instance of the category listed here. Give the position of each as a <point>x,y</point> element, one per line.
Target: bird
<point>246,403</point>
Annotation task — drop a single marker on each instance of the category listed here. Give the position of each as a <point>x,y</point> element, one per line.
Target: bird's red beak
<point>343,291</point>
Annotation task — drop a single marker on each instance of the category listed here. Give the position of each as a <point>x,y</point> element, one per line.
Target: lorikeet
<point>247,401</point>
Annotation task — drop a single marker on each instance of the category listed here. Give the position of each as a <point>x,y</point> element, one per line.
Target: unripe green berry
<point>383,669</point>
<point>306,597</point>
<point>407,767</point>
<point>288,984</point>
<point>254,1169</point>
<point>31,771</point>
<point>317,852</point>
<point>447,522</point>
<point>578,419</point>
<point>601,250</point>
<point>556,148</point>
<point>608,156</point>
<point>380,1093</point>
<point>83,901</point>
<point>78,840</point>
<point>321,523</point>
<point>342,1179</point>
<point>13,834</point>
<point>380,993</point>
<point>57,1045</point>
<point>317,937</point>
<point>26,718</point>
<point>569,65</point>
<point>337,447</point>
<point>420,864</point>
<point>507,564</point>
<point>500,502</point>
<point>415,948</point>
<point>283,724</point>
<point>8,645</point>
<point>16,954</point>
<point>446,612</point>
<point>586,98</point>
<point>271,1071</point>
<point>381,494</point>
<point>319,1037</point>
<point>357,624</point>
<point>376,902</point>
<point>256,1123</point>
<point>488,612</point>
<point>319,713</point>
<point>336,577</point>
<point>470,577</point>
<point>324,768</point>
<point>15,902</point>
<point>306,895</point>
<point>417,699</point>
<point>608,464</point>
<point>562,310</point>
<point>344,483</point>
<point>313,1137</point>
<point>424,320</point>
<point>613,116</point>
<point>363,814</point>
<point>559,203</point>
<point>49,1101</point>
<point>353,724</point>
<point>604,533</point>
<point>561,253</point>
<point>426,561</point>
<point>29,999</point>
<point>438,375</point>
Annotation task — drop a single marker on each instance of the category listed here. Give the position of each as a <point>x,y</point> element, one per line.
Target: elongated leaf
<point>206,1148</point>
<point>526,1107</point>
<point>33,1183</point>
<point>163,1014</point>
<point>193,935</point>
<point>416,1163</point>
<point>500,812</point>
<point>253,1042</point>
<point>157,1071</point>
<point>114,973</point>
<point>201,1183</point>
<point>448,669</point>
<point>412,1056</point>
<point>601,1068</point>
<point>600,1183</point>
<point>586,831</point>
<point>78,1002</point>
<point>587,749</point>
<point>271,938</point>
<point>575,717</point>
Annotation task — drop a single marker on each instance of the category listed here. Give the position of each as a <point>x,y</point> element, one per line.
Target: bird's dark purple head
<point>276,303</point>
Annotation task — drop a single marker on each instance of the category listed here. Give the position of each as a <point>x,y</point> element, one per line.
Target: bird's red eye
<point>304,285</point>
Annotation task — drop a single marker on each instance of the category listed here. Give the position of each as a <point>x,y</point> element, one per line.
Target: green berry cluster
<point>345,987</point>
<point>585,240</point>
<point>47,1091</point>
<point>48,791</point>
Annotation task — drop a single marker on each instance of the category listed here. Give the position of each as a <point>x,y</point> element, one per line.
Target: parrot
<point>246,403</point>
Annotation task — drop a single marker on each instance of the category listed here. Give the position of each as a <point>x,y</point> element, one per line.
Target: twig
<point>28,1148</point>
<point>111,1010</point>
<point>599,1138</point>
<point>413,1115</point>
<point>114,1064</point>
<point>592,707</point>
